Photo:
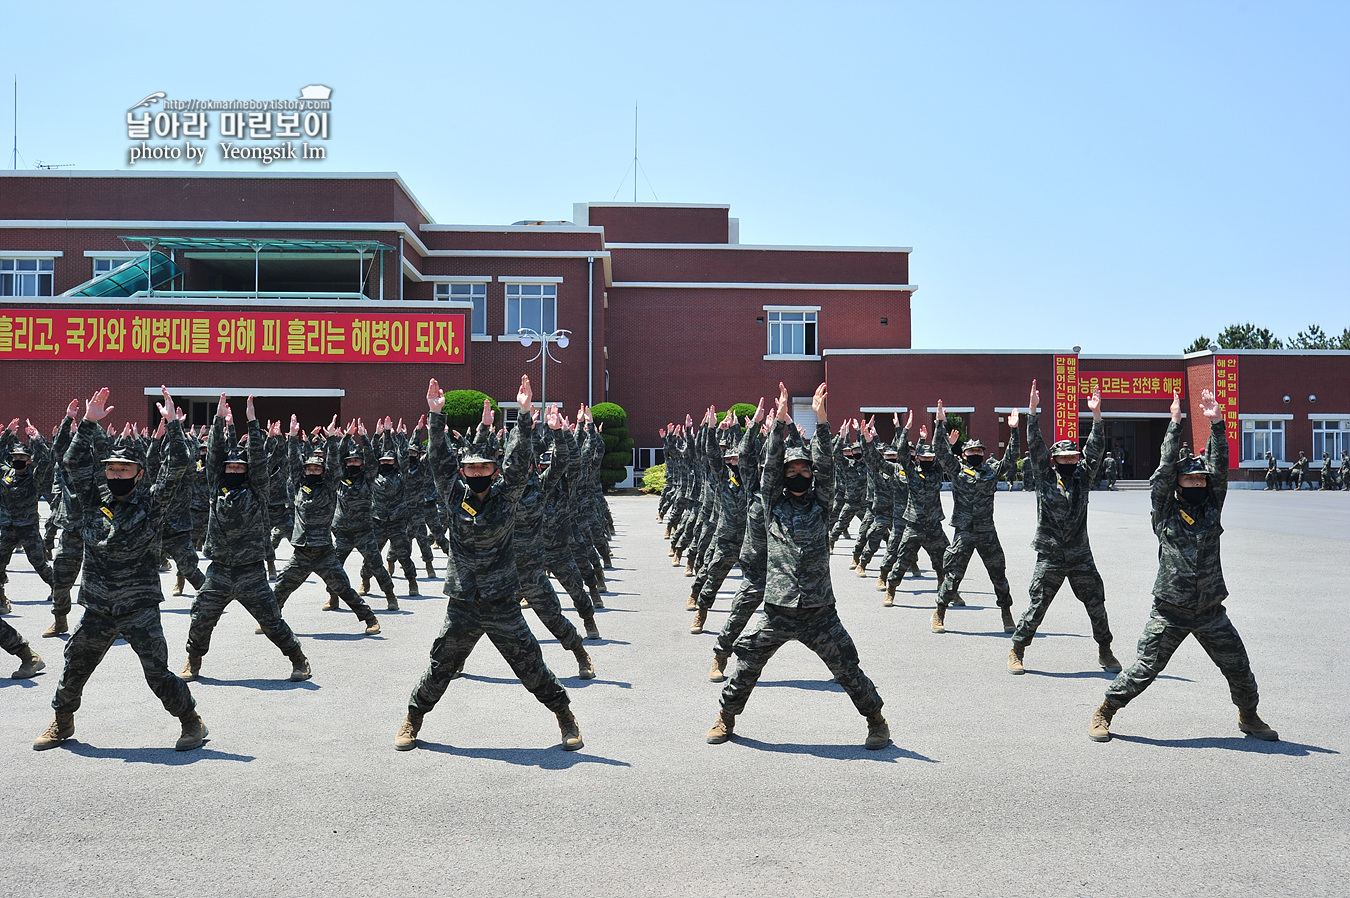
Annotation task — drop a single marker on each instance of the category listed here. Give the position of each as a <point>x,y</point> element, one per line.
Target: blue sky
<point>1122,176</point>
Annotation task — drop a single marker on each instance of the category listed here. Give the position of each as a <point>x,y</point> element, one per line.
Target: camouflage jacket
<point>893,486</point>
<point>278,483</point>
<point>62,491</point>
<point>121,536</point>
<point>482,565</point>
<point>797,528</point>
<point>314,505</point>
<point>854,476</point>
<point>923,505</point>
<point>388,492</point>
<point>1190,577</point>
<point>19,489</point>
<point>238,530</point>
<point>973,488</point>
<point>1061,507</point>
<point>354,495</point>
<point>558,485</point>
<point>754,548</point>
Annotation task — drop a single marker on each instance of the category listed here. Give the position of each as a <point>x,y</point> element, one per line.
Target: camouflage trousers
<point>821,631</point>
<point>743,606</point>
<point>1046,580</point>
<point>667,501</point>
<point>1164,632</point>
<point>847,513</point>
<point>724,557</point>
<point>177,545</point>
<point>10,639</point>
<point>957,557</point>
<point>321,560</point>
<point>562,563</point>
<point>282,519</point>
<point>536,588</point>
<point>363,541</point>
<point>868,546</point>
<point>395,535</point>
<point>864,528</point>
<point>247,585</point>
<point>929,537</point>
<point>501,621</point>
<point>95,634</point>
<point>30,537</point>
<point>66,567</point>
<point>416,528</point>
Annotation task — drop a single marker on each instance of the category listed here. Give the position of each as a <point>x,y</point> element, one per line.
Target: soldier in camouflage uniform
<point>799,601</point>
<point>278,495</point>
<point>21,475</point>
<point>177,543</point>
<point>30,661</point>
<point>197,490</point>
<point>1064,479</point>
<point>1328,479</point>
<point>389,498</point>
<point>315,472</point>
<point>1345,470</point>
<point>481,579</point>
<point>1109,471</point>
<point>417,479</point>
<point>923,513</point>
<point>898,481</point>
<point>733,505</point>
<point>237,539</point>
<point>353,525</point>
<point>1299,472</point>
<point>1189,591</point>
<point>754,558</point>
<point>122,521</point>
<point>854,477</point>
<point>1272,473</point>
<point>881,497</point>
<point>559,486</point>
<point>70,546</point>
<point>974,484</point>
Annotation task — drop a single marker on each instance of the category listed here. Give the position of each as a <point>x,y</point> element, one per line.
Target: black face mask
<point>926,465</point>
<point>1194,495</point>
<point>234,479</point>
<point>1066,471</point>
<point>386,470</point>
<point>19,463</point>
<point>313,480</point>
<point>974,461</point>
<point>797,483</point>
<point>353,472</point>
<point>478,484</point>
<point>121,488</point>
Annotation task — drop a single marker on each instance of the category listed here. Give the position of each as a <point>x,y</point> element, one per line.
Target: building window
<point>1262,436</point>
<point>26,277</point>
<point>533,306</point>
<point>792,333</point>
<point>1331,437</point>
<point>475,293</point>
<point>104,266</point>
<point>647,458</point>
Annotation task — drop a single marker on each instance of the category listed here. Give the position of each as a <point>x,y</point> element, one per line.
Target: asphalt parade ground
<point>990,788</point>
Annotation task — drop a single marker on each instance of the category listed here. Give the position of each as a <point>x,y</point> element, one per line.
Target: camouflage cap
<point>973,444</point>
<point>236,456</point>
<point>483,450</point>
<point>123,455</point>
<point>315,459</point>
<point>354,453</point>
<point>926,450</point>
<point>21,449</point>
<point>1192,465</point>
<point>545,459</point>
<point>1065,447</point>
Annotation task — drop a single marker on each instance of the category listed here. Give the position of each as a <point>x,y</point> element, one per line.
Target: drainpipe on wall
<point>590,330</point>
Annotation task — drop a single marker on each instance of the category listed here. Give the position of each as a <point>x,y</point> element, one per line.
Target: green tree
<point>1248,336</point>
<point>618,447</point>
<point>742,410</point>
<point>463,409</point>
<point>1312,338</point>
<point>1343,341</point>
<point>1199,344</point>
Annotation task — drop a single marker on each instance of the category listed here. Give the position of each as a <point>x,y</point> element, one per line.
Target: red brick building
<point>339,294</point>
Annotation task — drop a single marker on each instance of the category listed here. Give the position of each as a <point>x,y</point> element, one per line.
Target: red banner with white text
<point>1226,394</point>
<point>1066,398</point>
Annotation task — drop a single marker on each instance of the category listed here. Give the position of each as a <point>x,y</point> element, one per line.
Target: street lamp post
<point>528,336</point>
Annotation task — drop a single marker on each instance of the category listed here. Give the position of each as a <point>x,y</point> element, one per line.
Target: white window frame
<point>115,259</point>
<point>519,290</point>
<point>810,318</point>
<point>1256,426</point>
<point>1336,428</point>
<point>18,269</point>
<point>654,455</point>
<point>475,294</point>
<point>804,416</point>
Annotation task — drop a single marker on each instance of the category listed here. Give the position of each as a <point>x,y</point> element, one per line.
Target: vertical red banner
<point>1226,394</point>
<point>1066,398</point>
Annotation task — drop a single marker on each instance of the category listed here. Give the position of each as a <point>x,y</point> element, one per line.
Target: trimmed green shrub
<point>654,479</point>
<point>743,410</point>
<point>618,447</point>
<point>464,410</point>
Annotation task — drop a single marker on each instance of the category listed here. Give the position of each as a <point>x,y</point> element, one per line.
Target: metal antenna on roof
<point>635,146</point>
<point>16,122</point>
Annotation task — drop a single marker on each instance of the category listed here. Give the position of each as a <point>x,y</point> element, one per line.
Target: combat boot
<point>700,618</point>
<point>571,732</point>
<point>194,732</point>
<point>1099,728</point>
<point>391,565</point>
<point>431,571</point>
<point>878,732</point>
<point>412,587</point>
<point>596,599</point>
<point>5,607</point>
<point>406,738</point>
<point>689,568</point>
<point>331,604</point>
<point>58,731</point>
<point>58,626</point>
<point>372,626</point>
<point>691,603</point>
<point>271,570</point>
<point>862,570</point>
<point>177,586</point>
<point>1009,625</point>
<point>391,600</point>
<point>1015,659</point>
<point>1251,723</point>
<point>939,621</point>
<point>955,599</point>
<point>592,631</point>
<point>1106,658</point>
<point>722,728</point>
<point>676,555</point>
<point>585,667</point>
<point>300,669</point>
<point>192,669</point>
<point>667,536</point>
<point>365,586</point>
<point>881,583</point>
<point>718,672</point>
<point>32,663</point>
<point>889,600</point>
<point>853,565</point>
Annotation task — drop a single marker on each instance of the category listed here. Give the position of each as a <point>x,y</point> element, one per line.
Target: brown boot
<point>939,621</point>
<point>391,565</point>
<point>406,738</point>
<point>862,571</point>
<point>192,669</point>
<point>689,569</point>
<point>32,663</point>
<point>596,601</point>
<point>1009,625</point>
<point>722,728</point>
<point>194,732</point>
<point>391,600</point>
<point>718,672</point>
<point>58,731</point>
<point>365,586</point>
<point>1106,658</point>
<point>58,626</point>
<point>700,618</point>
<point>585,667</point>
<point>889,600</point>
<point>878,732</point>
<point>412,587</point>
<point>1099,728</point>
<point>691,603</point>
<point>300,669</point>
<point>177,586</point>
<point>1251,723</point>
<point>592,631</point>
<point>1015,659</point>
<point>676,556</point>
<point>331,604</point>
<point>431,571</point>
<point>881,583</point>
<point>571,731</point>
<point>372,627</point>
<point>853,565</point>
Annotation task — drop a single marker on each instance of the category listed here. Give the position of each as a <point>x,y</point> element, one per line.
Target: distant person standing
<point>1272,473</point>
<point>1300,470</point>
